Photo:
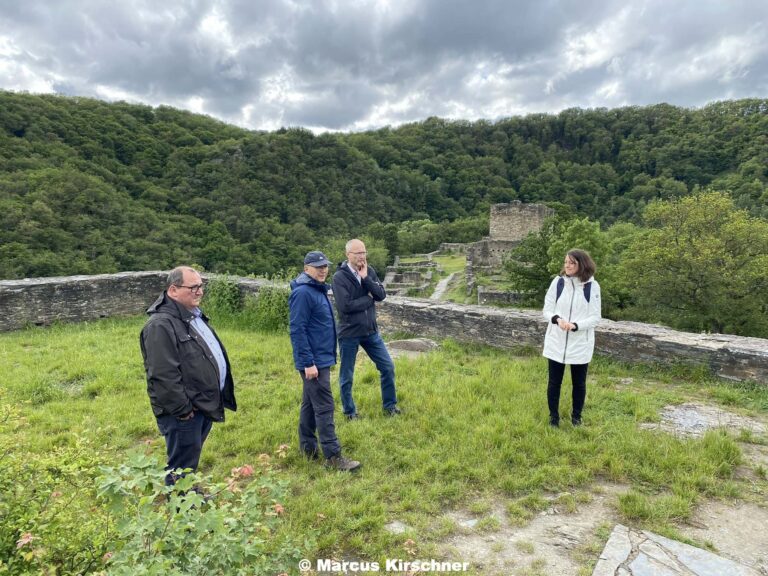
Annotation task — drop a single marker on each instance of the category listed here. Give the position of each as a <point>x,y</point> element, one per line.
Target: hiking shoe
<point>353,416</point>
<point>576,421</point>
<point>554,422</point>
<point>342,464</point>
<point>394,411</point>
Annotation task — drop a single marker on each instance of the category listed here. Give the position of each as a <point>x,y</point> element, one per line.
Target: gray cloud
<point>346,65</point>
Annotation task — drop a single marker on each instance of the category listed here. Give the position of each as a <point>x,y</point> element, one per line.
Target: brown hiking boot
<point>342,464</point>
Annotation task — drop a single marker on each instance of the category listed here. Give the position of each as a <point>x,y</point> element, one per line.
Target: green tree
<point>539,257</point>
<point>700,266</point>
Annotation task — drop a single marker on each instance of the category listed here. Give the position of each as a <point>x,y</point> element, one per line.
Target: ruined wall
<point>42,301</point>
<point>77,298</point>
<point>514,221</point>
<point>510,223</point>
<point>489,253</point>
<point>733,357</point>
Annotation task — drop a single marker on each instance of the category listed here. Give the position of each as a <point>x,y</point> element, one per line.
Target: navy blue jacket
<point>355,301</point>
<point>313,328</point>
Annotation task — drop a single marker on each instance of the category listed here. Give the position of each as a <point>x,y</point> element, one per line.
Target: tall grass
<point>474,428</point>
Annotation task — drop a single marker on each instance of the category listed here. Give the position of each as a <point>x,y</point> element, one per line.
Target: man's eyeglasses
<point>363,253</point>
<point>194,289</point>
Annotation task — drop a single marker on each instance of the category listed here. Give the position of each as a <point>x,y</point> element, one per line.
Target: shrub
<point>196,527</point>
<point>222,298</point>
<point>269,310</point>
<point>49,523</point>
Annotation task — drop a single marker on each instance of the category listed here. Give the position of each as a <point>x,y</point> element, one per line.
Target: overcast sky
<point>360,64</point>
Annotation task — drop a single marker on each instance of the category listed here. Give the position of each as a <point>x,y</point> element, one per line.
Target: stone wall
<point>42,301</point>
<point>732,357</point>
<point>488,297</point>
<point>452,248</point>
<point>515,220</point>
<point>489,253</point>
<point>76,298</point>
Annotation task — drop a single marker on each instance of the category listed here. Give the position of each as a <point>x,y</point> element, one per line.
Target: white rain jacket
<point>571,347</point>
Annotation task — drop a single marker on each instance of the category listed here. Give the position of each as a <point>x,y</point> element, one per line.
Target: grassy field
<point>474,429</point>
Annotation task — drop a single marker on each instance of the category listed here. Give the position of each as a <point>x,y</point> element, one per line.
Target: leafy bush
<point>49,522</point>
<point>65,512</point>
<point>196,527</point>
<point>222,298</point>
<point>269,310</point>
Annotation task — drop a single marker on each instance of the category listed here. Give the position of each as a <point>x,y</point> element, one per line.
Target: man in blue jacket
<point>313,338</point>
<point>356,289</point>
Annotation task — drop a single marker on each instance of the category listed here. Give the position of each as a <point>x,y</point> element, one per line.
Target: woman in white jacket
<point>572,310</point>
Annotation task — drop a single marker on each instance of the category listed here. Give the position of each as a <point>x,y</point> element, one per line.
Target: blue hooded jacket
<point>313,327</point>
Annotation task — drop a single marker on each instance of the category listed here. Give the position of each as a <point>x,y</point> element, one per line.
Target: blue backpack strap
<point>561,285</point>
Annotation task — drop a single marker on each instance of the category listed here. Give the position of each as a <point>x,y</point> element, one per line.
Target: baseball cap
<point>316,259</point>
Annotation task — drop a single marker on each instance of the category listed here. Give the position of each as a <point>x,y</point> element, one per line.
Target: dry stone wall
<point>40,301</point>
<point>514,221</point>
<point>732,357</point>
<point>43,301</point>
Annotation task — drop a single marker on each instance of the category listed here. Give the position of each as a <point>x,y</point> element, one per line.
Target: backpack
<point>561,284</point>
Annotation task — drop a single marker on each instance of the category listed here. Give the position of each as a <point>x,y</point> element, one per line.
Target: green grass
<point>451,263</point>
<point>474,429</point>
<point>412,259</point>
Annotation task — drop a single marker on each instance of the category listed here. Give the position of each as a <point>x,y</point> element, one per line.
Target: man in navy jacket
<point>356,289</point>
<point>313,338</point>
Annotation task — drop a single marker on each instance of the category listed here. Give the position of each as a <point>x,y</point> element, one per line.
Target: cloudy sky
<point>360,64</point>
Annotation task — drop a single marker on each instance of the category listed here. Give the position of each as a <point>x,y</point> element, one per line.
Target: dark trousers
<point>184,441</point>
<point>377,351</point>
<point>579,381</point>
<point>316,415</point>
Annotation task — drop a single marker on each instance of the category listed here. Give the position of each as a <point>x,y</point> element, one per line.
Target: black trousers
<point>316,415</point>
<point>184,441</point>
<point>579,381</point>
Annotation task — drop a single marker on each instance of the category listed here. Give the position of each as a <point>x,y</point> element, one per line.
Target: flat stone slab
<point>411,347</point>
<point>693,419</point>
<point>631,552</point>
<point>396,527</point>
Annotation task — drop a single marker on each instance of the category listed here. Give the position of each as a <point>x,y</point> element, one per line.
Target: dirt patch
<point>549,544</point>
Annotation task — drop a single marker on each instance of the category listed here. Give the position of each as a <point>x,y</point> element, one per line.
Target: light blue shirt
<point>202,329</point>
<point>355,272</point>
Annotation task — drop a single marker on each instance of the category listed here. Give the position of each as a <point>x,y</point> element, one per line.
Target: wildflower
<point>25,539</point>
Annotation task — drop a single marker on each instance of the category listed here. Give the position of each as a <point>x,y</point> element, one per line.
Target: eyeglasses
<point>363,253</point>
<point>195,289</point>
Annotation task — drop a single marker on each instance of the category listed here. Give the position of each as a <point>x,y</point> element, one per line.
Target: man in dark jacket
<point>189,380</point>
<point>356,289</point>
<point>313,338</point>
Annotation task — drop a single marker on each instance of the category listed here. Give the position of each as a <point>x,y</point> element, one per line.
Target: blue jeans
<point>316,415</point>
<point>377,352</point>
<point>184,441</point>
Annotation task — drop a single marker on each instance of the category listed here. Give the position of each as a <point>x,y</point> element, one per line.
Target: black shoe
<point>342,464</point>
<point>554,422</point>
<point>394,411</point>
<point>576,421</point>
<point>353,416</point>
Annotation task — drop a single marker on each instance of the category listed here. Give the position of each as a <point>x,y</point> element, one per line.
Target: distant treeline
<point>90,187</point>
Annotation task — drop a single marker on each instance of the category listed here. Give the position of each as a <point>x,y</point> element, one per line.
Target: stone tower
<point>514,221</point>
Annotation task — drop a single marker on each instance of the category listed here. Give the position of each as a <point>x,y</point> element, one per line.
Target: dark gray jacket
<point>356,301</point>
<point>181,371</point>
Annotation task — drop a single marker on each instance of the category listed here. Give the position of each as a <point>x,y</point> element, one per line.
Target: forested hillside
<point>87,186</point>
